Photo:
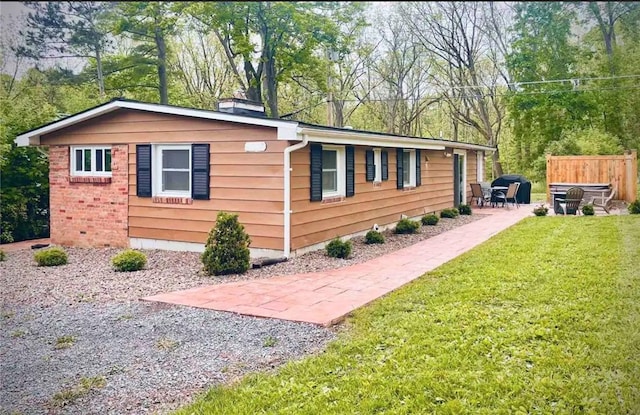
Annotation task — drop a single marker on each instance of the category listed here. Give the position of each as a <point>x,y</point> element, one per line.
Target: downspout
<point>287,193</point>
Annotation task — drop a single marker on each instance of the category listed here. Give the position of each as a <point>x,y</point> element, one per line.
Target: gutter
<point>287,193</point>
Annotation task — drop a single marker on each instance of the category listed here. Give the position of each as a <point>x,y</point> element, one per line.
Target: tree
<point>75,29</point>
<point>454,33</point>
<point>150,23</point>
<point>543,63</point>
<point>268,42</point>
<point>403,69</point>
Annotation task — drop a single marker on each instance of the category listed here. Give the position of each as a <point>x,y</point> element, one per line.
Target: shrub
<point>374,237</point>
<point>464,209</point>
<point>339,249</point>
<point>587,210</point>
<point>540,210</point>
<point>3,255</point>
<point>634,207</point>
<point>430,219</point>
<point>51,257</point>
<point>129,260</point>
<point>227,248</point>
<point>449,213</point>
<point>406,226</point>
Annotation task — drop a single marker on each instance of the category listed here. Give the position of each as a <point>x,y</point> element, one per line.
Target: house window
<point>332,170</point>
<point>409,168</point>
<point>173,170</point>
<point>377,157</point>
<point>91,161</point>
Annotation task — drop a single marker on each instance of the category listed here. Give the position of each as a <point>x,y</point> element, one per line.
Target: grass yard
<point>543,318</point>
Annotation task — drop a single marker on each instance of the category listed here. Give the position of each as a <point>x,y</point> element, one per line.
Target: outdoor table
<point>494,190</point>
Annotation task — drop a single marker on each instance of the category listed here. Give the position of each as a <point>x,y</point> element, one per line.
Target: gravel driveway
<point>76,340</point>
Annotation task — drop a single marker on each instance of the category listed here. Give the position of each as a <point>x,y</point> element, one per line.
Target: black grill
<point>524,191</point>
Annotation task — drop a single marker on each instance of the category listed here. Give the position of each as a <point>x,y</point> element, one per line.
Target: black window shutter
<point>316,172</point>
<point>418,169</point>
<point>143,170</point>
<point>371,167</point>
<point>200,171</point>
<point>385,165</point>
<point>400,178</point>
<point>351,171</point>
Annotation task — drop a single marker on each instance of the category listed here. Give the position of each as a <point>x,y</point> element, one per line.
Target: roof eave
<point>361,138</point>
<point>286,130</point>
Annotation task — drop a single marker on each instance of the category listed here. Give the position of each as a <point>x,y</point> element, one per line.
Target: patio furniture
<point>478,195</point>
<point>602,202</point>
<point>509,196</point>
<point>570,204</point>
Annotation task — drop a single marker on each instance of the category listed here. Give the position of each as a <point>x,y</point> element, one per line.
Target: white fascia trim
<point>374,140</point>
<point>287,130</point>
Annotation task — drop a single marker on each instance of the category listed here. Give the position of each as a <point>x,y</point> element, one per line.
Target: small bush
<point>406,226</point>
<point>227,248</point>
<point>51,257</point>
<point>634,207</point>
<point>3,255</point>
<point>374,237</point>
<point>449,213</point>
<point>430,220</point>
<point>587,210</point>
<point>339,249</point>
<point>464,209</point>
<point>540,210</point>
<point>129,260</point>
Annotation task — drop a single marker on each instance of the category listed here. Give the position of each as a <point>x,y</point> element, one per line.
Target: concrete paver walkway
<point>325,298</point>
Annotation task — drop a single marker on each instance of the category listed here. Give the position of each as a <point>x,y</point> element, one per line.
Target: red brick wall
<point>88,213</point>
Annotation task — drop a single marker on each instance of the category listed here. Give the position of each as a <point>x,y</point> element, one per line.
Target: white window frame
<point>157,170</point>
<point>412,168</point>
<point>340,172</point>
<point>480,166</point>
<point>93,172</point>
<point>377,162</point>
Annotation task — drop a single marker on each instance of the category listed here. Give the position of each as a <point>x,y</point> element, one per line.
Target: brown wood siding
<point>315,222</point>
<point>249,184</point>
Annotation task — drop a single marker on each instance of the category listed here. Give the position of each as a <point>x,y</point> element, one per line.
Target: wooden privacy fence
<point>620,171</point>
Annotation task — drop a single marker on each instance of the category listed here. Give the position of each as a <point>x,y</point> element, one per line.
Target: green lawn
<point>543,318</point>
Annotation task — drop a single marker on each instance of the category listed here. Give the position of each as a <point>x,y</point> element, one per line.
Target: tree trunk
<point>271,84</point>
<point>497,166</point>
<point>162,67</point>
<point>99,70</point>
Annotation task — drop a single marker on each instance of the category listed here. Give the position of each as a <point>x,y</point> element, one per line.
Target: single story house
<point>141,175</point>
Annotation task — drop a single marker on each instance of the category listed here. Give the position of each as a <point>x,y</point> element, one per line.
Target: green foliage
<point>587,141</point>
<point>430,219</point>
<point>464,209</point>
<point>449,213</point>
<point>407,226</point>
<point>3,255</point>
<point>634,207</point>
<point>129,260</point>
<point>374,237</point>
<point>588,210</point>
<point>286,38</point>
<point>227,248</point>
<point>540,210</point>
<point>517,333</point>
<point>339,249</point>
<point>51,257</point>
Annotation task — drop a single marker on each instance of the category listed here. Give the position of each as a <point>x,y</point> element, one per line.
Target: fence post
<point>548,176</point>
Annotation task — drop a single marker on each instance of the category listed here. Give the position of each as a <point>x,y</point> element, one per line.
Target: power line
<point>556,91</point>
<point>549,81</point>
